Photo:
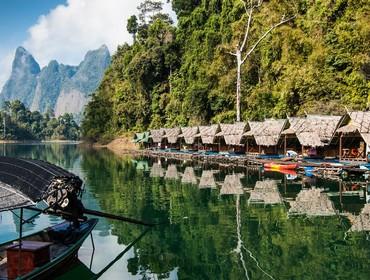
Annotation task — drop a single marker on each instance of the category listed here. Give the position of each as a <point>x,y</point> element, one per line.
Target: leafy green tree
<point>132,26</point>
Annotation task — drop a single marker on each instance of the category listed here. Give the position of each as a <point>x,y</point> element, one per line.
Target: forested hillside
<point>185,74</point>
<point>19,123</point>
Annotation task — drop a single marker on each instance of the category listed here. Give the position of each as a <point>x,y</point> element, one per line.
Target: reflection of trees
<point>201,236</point>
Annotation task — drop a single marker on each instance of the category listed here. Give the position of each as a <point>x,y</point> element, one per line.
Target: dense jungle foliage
<point>183,74</point>
<point>22,124</point>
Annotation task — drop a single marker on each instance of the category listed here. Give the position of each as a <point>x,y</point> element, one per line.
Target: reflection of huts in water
<point>232,184</point>
<point>156,170</point>
<point>311,135</point>
<point>171,172</point>
<point>312,202</point>
<point>142,165</point>
<point>171,137</point>
<point>157,136</point>
<point>230,137</point>
<point>265,192</point>
<point>362,221</point>
<point>207,180</point>
<point>354,136</point>
<point>263,137</point>
<point>189,139</point>
<point>189,176</point>
<point>208,137</point>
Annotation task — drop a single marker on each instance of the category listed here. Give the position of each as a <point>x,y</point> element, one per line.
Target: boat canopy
<point>24,182</point>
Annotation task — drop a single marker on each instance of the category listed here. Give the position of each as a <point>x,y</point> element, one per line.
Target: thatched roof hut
<point>266,133</point>
<point>156,170</point>
<point>362,221</point>
<point>357,122</point>
<point>233,133</point>
<point>157,135</point>
<point>189,176</point>
<point>232,184</point>
<point>189,134</point>
<point>265,192</point>
<point>208,133</point>
<point>207,180</point>
<point>172,172</point>
<point>313,130</point>
<point>172,134</point>
<point>312,202</point>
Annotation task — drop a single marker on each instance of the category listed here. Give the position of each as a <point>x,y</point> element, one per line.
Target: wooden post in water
<point>247,148</point>
<point>285,144</point>
<point>340,146</point>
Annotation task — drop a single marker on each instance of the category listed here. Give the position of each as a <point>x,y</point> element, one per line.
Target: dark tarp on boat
<point>24,182</point>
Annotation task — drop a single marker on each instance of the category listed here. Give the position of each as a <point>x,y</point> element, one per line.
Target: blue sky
<point>16,16</point>
<point>62,29</point>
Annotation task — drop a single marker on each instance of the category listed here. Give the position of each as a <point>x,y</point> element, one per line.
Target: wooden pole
<point>285,144</point>
<point>340,146</point>
<point>247,147</point>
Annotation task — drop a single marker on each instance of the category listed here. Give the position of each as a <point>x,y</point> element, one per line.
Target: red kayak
<point>277,166</point>
<point>282,171</point>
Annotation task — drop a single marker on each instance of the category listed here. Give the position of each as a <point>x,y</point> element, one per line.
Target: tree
<point>149,7</point>
<point>245,49</point>
<point>132,26</point>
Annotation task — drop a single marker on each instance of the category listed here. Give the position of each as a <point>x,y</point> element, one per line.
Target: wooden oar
<point>116,217</point>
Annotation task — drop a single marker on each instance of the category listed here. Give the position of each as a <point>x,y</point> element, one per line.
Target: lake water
<point>217,222</point>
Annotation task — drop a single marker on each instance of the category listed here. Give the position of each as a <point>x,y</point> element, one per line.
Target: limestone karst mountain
<point>61,88</point>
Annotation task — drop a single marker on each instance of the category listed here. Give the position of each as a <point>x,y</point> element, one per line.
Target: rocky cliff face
<point>62,88</point>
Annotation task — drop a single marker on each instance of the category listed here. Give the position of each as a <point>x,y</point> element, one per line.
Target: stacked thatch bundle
<point>157,135</point>
<point>312,202</point>
<point>233,133</point>
<point>189,176</point>
<point>266,133</point>
<point>156,170</point>
<point>208,133</point>
<point>172,172</point>
<point>172,134</point>
<point>357,122</point>
<point>207,180</point>
<point>265,192</point>
<point>313,130</point>
<point>189,134</point>
<point>232,185</point>
<point>362,221</point>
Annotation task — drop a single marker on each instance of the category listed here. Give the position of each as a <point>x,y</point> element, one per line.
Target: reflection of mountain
<point>265,192</point>
<point>312,202</point>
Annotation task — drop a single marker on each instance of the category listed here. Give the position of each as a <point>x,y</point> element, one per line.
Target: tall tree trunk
<point>238,83</point>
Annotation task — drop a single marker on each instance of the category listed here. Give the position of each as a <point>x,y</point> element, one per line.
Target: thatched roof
<point>171,172</point>
<point>189,134</point>
<point>266,133</point>
<point>172,134</point>
<point>156,170</point>
<point>312,202</point>
<point>265,192</point>
<point>313,130</point>
<point>358,122</point>
<point>157,135</point>
<point>362,221</point>
<point>232,185</point>
<point>189,176</point>
<point>208,133</point>
<point>233,133</point>
<point>207,180</point>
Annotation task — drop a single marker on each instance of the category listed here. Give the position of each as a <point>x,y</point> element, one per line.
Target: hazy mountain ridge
<point>62,88</point>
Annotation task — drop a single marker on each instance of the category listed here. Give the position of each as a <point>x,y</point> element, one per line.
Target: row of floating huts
<point>345,137</point>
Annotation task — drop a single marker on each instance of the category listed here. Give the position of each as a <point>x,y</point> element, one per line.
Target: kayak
<point>290,166</point>
<point>282,171</point>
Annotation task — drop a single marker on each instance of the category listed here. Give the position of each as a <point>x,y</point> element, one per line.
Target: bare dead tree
<point>243,51</point>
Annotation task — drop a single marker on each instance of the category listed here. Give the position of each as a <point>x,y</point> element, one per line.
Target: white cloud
<point>67,32</point>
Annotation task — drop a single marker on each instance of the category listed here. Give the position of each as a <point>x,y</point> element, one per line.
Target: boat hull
<point>278,166</point>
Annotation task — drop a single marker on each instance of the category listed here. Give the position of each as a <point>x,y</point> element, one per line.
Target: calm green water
<point>211,228</point>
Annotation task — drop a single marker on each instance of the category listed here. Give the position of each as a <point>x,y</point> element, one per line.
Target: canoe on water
<point>290,166</point>
<point>61,243</point>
